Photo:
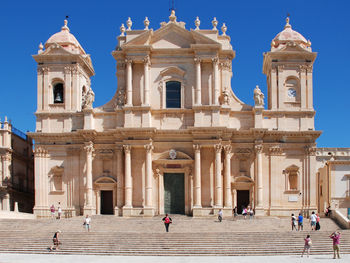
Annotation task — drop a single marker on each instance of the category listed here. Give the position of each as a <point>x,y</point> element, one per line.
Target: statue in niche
<point>258,96</point>
<point>225,96</point>
<point>121,97</point>
<point>88,97</point>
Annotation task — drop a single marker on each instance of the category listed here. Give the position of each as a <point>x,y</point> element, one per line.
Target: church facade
<point>174,138</point>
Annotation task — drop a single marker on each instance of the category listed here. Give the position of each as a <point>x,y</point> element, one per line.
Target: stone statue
<point>225,96</point>
<point>88,98</point>
<point>258,96</point>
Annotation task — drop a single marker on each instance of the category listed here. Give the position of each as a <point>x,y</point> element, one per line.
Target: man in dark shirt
<point>167,221</point>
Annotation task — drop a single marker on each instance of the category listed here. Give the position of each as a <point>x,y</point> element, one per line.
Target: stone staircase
<point>147,237</point>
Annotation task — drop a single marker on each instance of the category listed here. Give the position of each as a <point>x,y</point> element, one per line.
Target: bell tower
<point>288,67</point>
<point>64,72</point>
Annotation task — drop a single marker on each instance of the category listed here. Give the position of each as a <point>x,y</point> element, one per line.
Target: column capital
<point>197,60</point>
<point>45,70</point>
<point>118,147</point>
<point>218,148</point>
<point>215,60</point>
<point>147,61</point>
<point>149,147</point>
<point>127,148</point>
<point>40,152</point>
<point>67,69</point>
<point>89,147</point>
<point>228,149</point>
<point>197,147</point>
<point>309,150</point>
<point>128,61</point>
<point>258,148</point>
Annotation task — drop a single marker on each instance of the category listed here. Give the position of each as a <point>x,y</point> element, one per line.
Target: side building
<point>175,138</point>
<point>16,170</point>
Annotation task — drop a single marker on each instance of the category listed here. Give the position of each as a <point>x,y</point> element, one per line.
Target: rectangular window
<point>173,94</point>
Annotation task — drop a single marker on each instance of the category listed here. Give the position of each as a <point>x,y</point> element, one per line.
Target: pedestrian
<point>328,211</point>
<point>220,215</point>
<point>244,213</point>
<point>313,220</point>
<point>235,213</point>
<point>318,226</point>
<point>59,211</point>
<point>167,221</point>
<point>250,212</point>
<point>300,222</point>
<point>336,242</point>
<point>294,222</point>
<point>87,222</point>
<point>56,241</point>
<point>307,245</point>
<point>52,210</point>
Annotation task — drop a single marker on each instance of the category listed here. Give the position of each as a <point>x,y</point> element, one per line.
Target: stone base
<point>260,212</point>
<point>89,211</point>
<point>148,212</point>
<point>197,212</point>
<point>117,211</point>
<point>227,211</point>
<point>127,211</point>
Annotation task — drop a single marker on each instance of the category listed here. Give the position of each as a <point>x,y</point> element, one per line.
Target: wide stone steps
<point>116,236</point>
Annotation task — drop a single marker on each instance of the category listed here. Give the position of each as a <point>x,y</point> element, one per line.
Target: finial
<point>224,29</point>
<point>5,119</point>
<point>309,42</point>
<point>197,23</point>
<point>129,24</point>
<point>122,30</point>
<point>65,27</point>
<point>172,16</point>
<point>146,23</point>
<point>40,48</point>
<point>287,23</point>
<point>214,23</point>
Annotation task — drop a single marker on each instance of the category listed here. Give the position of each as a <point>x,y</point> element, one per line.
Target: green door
<point>174,194</point>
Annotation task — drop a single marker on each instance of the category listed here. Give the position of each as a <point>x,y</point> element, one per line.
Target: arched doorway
<point>106,193</point>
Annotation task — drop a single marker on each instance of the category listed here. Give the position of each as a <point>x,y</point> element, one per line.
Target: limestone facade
<point>16,169</point>
<point>174,137</point>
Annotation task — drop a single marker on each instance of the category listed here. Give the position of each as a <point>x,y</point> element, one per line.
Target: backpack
<point>167,220</point>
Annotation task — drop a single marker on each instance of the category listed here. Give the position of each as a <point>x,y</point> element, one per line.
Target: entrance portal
<point>174,194</point>
<point>107,202</point>
<point>242,200</point>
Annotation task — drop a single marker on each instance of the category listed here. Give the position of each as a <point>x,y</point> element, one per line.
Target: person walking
<point>294,222</point>
<point>59,211</point>
<point>318,226</point>
<point>307,245</point>
<point>56,241</point>
<point>87,222</point>
<point>328,211</point>
<point>313,220</point>
<point>250,212</point>
<point>300,222</point>
<point>335,236</point>
<point>167,221</point>
<point>235,213</point>
<point>244,213</point>
<point>52,210</point>
<point>220,215</point>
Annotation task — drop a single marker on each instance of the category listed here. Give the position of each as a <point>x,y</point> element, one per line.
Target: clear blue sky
<point>251,24</point>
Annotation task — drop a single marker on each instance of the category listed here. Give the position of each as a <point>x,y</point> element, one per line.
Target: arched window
<point>173,94</point>
<point>292,88</point>
<point>58,93</point>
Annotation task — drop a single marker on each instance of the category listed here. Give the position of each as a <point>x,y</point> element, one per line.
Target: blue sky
<point>251,25</point>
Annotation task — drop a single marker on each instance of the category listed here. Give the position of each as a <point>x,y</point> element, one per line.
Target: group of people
<point>298,222</point>
<point>335,236</point>
<point>53,211</point>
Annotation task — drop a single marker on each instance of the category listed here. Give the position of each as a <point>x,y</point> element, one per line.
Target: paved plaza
<point>15,258</point>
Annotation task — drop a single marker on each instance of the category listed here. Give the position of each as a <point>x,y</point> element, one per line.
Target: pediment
<point>167,155</point>
<point>293,47</point>
<point>173,71</point>
<point>56,49</point>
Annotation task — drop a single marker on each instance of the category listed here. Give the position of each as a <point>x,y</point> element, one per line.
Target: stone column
<point>67,88</point>
<point>259,177</point>
<point>89,149</point>
<point>197,178</point>
<point>227,177</point>
<point>146,65</point>
<point>216,94</point>
<point>218,179</point>
<point>197,61</point>
<point>46,89</point>
<point>128,82</point>
<point>303,91</point>
<point>120,177</point>
<point>76,97</point>
<point>128,181</point>
<point>40,89</point>
<point>148,211</point>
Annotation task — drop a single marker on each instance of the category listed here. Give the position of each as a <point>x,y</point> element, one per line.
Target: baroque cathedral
<point>175,138</point>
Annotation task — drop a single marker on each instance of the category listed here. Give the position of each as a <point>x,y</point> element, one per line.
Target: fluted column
<point>197,177</point>
<point>218,179</point>
<point>146,65</point>
<point>227,176</point>
<point>128,82</point>
<point>128,178</point>
<point>89,149</point>
<point>216,81</point>
<point>259,201</point>
<point>41,181</point>
<point>197,62</point>
<point>149,148</point>
<point>120,177</point>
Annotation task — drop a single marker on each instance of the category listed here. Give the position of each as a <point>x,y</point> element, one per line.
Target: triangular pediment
<point>293,48</point>
<point>56,49</point>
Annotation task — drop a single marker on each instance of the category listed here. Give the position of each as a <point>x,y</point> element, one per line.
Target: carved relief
<point>218,148</point>
<point>226,96</point>
<point>121,97</point>
<point>41,152</point>
<point>275,150</point>
<point>226,65</point>
<point>88,97</point>
<point>149,148</point>
<point>89,147</point>
<point>127,148</point>
<point>309,150</point>
<point>196,148</point>
<point>67,70</point>
<point>258,148</point>
<point>258,96</point>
